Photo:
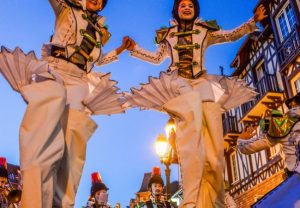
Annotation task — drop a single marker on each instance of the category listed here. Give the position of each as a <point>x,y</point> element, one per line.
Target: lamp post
<point>165,152</point>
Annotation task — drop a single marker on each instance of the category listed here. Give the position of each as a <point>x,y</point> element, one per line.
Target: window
<point>234,167</point>
<point>260,70</point>
<point>286,21</point>
<point>290,16</point>
<point>297,85</point>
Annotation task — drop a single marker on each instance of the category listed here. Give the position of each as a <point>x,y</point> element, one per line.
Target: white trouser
<point>53,138</point>
<point>78,129</point>
<point>199,143</point>
<point>41,142</point>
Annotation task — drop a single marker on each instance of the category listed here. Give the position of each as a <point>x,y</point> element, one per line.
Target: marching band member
<point>156,186</point>
<point>99,193</point>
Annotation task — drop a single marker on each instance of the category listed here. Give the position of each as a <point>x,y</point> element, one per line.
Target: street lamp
<point>162,147</point>
<point>165,152</point>
<point>170,127</point>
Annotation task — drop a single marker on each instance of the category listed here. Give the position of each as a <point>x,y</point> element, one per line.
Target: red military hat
<point>156,177</point>
<point>97,183</point>
<point>3,167</point>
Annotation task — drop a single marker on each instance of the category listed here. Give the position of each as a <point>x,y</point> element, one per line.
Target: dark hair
<point>155,179</point>
<point>104,2</point>
<point>176,6</point>
<point>3,172</point>
<point>97,187</point>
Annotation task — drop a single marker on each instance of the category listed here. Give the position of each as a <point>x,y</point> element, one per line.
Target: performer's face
<point>101,197</point>
<point>186,10</point>
<point>157,188</point>
<point>3,182</point>
<point>94,5</point>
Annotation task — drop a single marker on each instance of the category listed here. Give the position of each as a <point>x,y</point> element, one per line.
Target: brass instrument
<point>13,195</point>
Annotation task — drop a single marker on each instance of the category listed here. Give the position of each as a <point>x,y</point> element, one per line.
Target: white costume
<point>289,144</point>
<point>195,102</point>
<point>61,94</point>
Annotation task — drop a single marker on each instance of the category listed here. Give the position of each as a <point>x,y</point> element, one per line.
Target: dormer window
<point>285,21</point>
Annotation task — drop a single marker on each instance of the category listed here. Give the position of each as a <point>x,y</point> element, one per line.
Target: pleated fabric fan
<point>231,91</point>
<point>157,92</point>
<point>19,68</point>
<point>104,98</point>
<point>237,92</point>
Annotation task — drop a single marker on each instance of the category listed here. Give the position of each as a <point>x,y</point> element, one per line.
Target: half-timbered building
<point>269,61</point>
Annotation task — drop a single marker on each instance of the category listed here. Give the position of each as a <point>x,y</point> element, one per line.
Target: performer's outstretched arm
<point>254,145</point>
<point>107,58</point>
<point>155,58</point>
<point>58,5</point>
<point>223,36</point>
<point>127,43</point>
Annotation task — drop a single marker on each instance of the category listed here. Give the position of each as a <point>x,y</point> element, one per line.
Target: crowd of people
<point>10,194</point>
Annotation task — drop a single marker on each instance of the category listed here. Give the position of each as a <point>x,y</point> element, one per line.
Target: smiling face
<point>186,10</point>
<point>94,5</point>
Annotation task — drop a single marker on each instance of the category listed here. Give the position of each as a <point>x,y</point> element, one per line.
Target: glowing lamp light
<point>162,146</point>
<point>170,126</point>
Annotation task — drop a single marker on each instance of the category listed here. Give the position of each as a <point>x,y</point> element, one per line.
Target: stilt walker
<point>276,128</point>
<point>62,91</point>
<point>283,129</point>
<point>194,98</point>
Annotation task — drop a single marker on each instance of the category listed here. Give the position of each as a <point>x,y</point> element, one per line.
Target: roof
<point>242,57</point>
<point>146,179</point>
<point>174,187</point>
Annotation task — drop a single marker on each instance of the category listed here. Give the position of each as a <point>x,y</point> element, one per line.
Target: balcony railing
<point>230,125</point>
<point>247,106</point>
<point>272,167</point>
<point>266,84</point>
<point>290,47</point>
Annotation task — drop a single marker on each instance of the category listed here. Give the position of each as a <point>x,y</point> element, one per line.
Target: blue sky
<point>122,149</point>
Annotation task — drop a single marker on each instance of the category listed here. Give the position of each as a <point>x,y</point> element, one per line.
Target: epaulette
<point>161,34</point>
<point>211,25</point>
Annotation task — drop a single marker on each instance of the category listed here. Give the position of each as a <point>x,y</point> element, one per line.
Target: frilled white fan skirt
<point>229,92</point>
<point>21,69</point>
<point>195,106</point>
<point>104,98</point>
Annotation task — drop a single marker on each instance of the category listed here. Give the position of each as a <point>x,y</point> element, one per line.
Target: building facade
<point>269,61</point>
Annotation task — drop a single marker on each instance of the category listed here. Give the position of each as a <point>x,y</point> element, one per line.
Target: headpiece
<point>3,167</point>
<point>97,183</point>
<point>156,177</point>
